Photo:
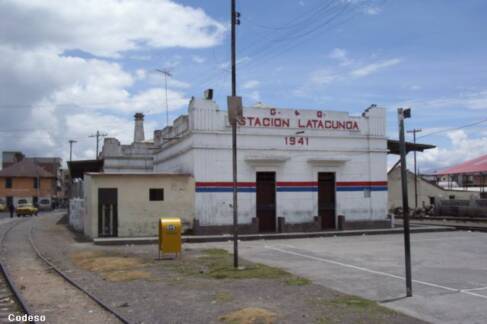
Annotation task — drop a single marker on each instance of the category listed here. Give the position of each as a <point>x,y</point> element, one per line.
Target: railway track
<point>72,282</point>
<point>11,300</point>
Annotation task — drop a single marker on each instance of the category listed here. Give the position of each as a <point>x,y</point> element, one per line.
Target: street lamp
<point>404,114</point>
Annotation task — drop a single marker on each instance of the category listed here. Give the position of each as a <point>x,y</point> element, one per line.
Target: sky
<point>70,68</point>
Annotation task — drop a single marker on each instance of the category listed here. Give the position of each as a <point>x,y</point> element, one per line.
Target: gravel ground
<point>168,294</point>
<point>45,291</point>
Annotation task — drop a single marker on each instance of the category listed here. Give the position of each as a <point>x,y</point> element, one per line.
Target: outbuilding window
<point>156,194</point>
<point>8,182</point>
<point>36,183</point>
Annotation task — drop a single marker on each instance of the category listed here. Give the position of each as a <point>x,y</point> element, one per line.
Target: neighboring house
<point>131,204</point>
<point>27,181</point>
<point>471,173</point>
<point>429,193</point>
<point>50,164</point>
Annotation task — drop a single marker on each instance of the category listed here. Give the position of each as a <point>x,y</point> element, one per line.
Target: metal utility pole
<point>71,142</point>
<point>403,114</point>
<point>166,73</point>
<point>98,135</point>
<point>414,131</point>
<point>235,111</point>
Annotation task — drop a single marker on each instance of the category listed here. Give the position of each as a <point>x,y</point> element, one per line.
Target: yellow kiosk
<point>169,236</point>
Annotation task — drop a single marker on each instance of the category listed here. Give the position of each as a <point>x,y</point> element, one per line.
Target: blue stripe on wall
<point>297,189</point>
<point>379,188</point>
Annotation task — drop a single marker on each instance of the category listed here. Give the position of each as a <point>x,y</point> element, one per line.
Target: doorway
<point>326,199</point>
<point>266,201</point>
<point>107,212</point>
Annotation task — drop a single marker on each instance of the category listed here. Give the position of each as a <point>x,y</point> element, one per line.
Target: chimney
<point>139,128</point>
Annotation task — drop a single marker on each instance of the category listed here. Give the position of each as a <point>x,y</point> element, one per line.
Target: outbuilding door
<point>326,200</point>
<point>266,201</point>
<point>107,212</point>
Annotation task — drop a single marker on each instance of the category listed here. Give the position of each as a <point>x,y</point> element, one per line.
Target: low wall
<point>462,208</point>
<point>76,213</point>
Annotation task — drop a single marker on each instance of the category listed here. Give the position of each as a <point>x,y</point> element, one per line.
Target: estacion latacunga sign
<point>286,118</point>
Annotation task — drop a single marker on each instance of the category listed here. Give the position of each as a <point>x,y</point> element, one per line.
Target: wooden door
<point>266,201</point>
<point>326,200</point>
<point>107,212</point>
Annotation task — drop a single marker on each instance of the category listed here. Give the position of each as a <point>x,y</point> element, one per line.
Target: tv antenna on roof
<point>166,73</point>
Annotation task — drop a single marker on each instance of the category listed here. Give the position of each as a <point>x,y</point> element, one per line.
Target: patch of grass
<point>219,265</point>
<point>250,315</point>
<point>223,297</point>
<point>354,305</point>
<point>122,276</point>
<point>324,320</point>
<point>297,281</point>
<point>353,301</point>
<point>112,267</point>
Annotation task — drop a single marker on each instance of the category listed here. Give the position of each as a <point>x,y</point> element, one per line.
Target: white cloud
<point>463,148</point>
<point>49,96</point>
<point>198,59</point>
<point>374,67</point>
<point>106,28</point>
<point>372,10</point>
<point>324,76</point>
<point>255,95</point>
<point>341,55</point>
<point>347,69</point>
<point>471,100</point>
<point>226,65</point>
<point>251,84</point>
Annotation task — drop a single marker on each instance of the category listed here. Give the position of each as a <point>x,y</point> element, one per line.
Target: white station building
<point>298,169</point>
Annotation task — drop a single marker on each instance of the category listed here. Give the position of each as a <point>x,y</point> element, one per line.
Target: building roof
<point>78,168</point>
<point>25,168</point>
<point>478,165</point>
<point>393,147</point>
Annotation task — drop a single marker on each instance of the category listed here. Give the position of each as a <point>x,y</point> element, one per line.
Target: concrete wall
<point>135,157</point>
<point>425,191</point>
<point>76,213</point>
<point>137,216</point>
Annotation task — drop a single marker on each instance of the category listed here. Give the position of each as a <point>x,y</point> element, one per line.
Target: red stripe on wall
<point>224,184</point>
<point>293,184</point>
<point>296,183</point>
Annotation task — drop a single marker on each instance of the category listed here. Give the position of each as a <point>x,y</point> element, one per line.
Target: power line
<point>454,128</point>
<point>97,135</point>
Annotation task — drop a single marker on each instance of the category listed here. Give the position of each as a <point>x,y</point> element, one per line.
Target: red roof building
<point>478,165</point>
<point>469,173</point>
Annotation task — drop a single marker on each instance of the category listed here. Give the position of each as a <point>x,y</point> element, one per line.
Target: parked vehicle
<point>26,209</point>
<point>45,204</point>
<point>22,201</point>
<point>3,206</point>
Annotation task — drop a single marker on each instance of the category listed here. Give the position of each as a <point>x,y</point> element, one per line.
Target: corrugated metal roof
<point>25,168</point>
<point>478,165</point>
